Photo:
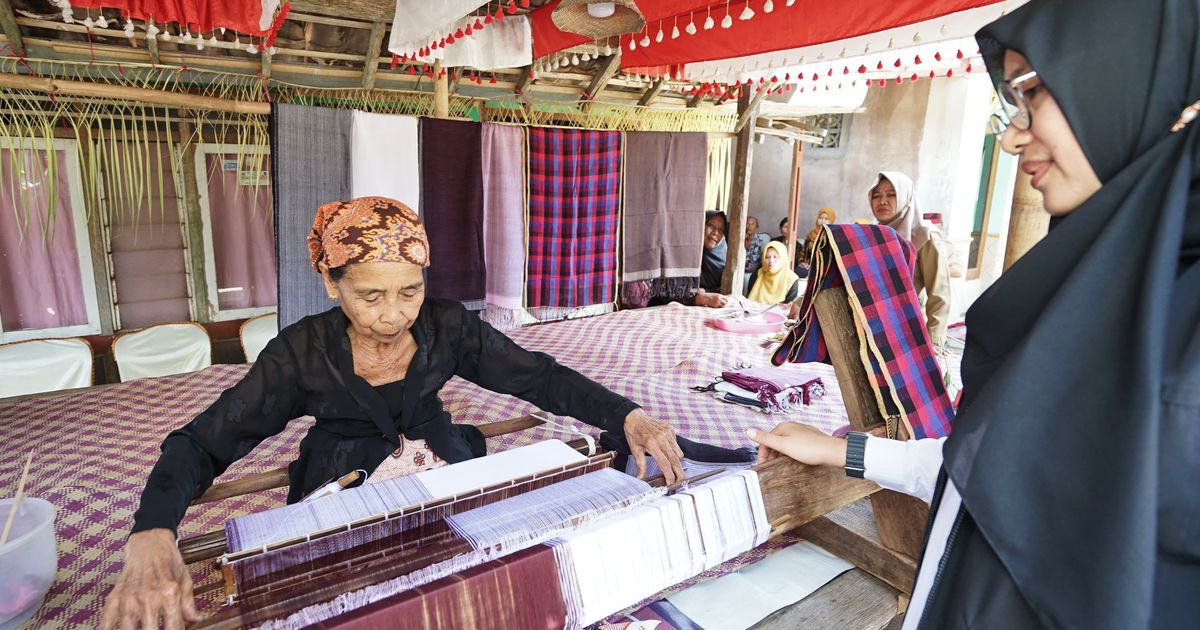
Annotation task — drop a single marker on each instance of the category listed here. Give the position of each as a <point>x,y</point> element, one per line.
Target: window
<point>147,251</point>
<point>239,230</point>
<point>833,125</point>
<point>46,284</point>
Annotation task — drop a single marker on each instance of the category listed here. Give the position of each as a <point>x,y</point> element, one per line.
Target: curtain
<point>243,230</point>
<point>40,282</point>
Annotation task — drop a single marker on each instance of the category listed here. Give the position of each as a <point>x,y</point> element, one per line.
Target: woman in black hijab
<point>1068,496</point>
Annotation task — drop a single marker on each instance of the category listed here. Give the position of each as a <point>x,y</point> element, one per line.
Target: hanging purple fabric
<point>452,209</point>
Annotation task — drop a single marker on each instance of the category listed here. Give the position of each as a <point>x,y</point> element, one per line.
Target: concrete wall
<point>931,130</point>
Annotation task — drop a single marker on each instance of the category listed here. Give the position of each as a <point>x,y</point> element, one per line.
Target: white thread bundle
<point>575,502</point>
<point>626,557</point>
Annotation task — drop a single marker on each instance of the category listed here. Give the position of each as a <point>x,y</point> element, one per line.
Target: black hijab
<point>1077,447</point>
<point>712,267</point>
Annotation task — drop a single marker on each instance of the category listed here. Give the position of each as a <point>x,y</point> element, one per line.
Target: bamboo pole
<point>441,92</point>
<point>158,97</point>
<point>1028,223</point>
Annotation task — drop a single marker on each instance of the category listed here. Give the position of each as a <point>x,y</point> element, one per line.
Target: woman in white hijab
<point>894,204</point>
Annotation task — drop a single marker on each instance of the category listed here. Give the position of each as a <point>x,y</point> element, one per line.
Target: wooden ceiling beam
<point>369,10</point>
<point>8,23</point>
<point>374,45</point>
<point>604,73</point>
<point>652,92</point>
<point>750,111</point>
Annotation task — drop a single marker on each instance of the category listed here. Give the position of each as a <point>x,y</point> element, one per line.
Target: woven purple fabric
<point>876,267</point>
<point>452,208</point>
<point>574,203</point>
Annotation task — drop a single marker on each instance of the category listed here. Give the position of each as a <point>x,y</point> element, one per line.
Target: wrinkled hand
<point>802,443</point>
<point>155,584</point>
<point>711,300</point>
<point>647,435</point>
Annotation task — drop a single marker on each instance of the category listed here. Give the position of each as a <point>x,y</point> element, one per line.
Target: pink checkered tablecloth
<point>94,449</point>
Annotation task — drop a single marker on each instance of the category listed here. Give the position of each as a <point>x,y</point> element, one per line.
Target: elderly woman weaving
<point>370,372</point>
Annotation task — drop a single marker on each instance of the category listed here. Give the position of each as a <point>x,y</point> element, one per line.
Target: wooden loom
<point>796,496</point>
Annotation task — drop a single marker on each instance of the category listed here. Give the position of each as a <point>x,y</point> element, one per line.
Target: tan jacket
<point>932,275</point>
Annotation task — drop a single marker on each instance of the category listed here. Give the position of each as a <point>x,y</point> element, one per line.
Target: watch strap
<point>856,450</point>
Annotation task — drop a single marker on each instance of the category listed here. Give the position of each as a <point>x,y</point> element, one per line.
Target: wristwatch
<point>856,450</point>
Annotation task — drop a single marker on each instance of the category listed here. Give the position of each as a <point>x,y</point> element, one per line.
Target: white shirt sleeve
<point>910,467</point>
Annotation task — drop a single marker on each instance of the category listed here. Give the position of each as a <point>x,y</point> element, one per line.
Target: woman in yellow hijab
<point>775,283</point>
<point>825,216</point>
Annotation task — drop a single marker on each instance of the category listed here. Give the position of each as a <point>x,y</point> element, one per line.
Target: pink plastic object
<point>771,322</point>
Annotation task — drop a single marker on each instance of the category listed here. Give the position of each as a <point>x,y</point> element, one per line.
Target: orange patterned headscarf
<point>367,229</point>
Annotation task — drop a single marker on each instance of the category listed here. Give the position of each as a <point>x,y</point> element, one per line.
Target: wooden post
<point>266,64</point>
<point>899,518</point>
<point>8,24</point>
<point>794,198</point>
<point>735,260</point>
<point>1028,223</point>
<point>195,221</point>
<point>651,92</point>
<point>152,48</point>
<point>371,65</point>
<point>441,92</point>
<point>608,68</point>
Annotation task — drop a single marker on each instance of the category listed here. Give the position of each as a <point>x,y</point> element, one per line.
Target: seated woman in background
<point>755,242</point>
<point>712,267</point>
<point>775,283</point>
<point>369,370</point>
<point>825,216</point>
<point>894,204</point>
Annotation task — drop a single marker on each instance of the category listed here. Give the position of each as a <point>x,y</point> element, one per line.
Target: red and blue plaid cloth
<point>574,211</point>
<point>876,265</point>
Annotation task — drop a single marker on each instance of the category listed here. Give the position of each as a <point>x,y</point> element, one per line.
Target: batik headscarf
<point>812,234</point>
<point>367,229</point>
<point>772,288</point>
<point>1075,447</point>
<point>908,222</point>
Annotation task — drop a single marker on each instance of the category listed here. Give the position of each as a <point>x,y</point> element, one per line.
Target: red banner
<point>805,23</point>
<point>198,15</point>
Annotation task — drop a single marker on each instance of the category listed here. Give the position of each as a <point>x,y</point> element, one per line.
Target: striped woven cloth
<point>876,267</point>
<point>574,210</point>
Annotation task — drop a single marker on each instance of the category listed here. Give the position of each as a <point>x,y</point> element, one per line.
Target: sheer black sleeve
<point>490,359</point>
<point>259,406</point>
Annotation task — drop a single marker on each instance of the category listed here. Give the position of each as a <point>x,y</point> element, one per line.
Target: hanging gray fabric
<point>311,151</point>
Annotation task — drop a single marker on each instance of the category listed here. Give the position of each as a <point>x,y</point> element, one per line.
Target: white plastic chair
<point>44,365</point>
<point>162,350</point>
<point>256,332</point>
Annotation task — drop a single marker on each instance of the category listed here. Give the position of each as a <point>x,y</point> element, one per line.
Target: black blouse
<point>308,369</point>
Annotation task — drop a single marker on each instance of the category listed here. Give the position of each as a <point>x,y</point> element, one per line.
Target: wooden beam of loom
<point>8,23</point>
<point>278,478</point>
<point>157,97</point>
<point>850,533</point>
<point>374,45</point>
<point>652,92</point>
<point>899,518</point>
<point>603,75</point>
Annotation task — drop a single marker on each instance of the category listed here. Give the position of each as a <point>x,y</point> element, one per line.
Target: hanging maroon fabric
<point>807,23</point>
<point>520,590</point>
<point>452,208</point>
<point>243,16</point>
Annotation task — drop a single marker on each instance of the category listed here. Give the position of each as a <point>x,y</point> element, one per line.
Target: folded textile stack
<point>770,389</point>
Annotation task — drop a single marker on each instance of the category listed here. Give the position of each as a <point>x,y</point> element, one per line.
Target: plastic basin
<point>28,561</point>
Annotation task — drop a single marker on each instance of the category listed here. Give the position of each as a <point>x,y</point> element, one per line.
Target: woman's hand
<point>711,300</point>
<point>647,435</point>
<point>155,584</point>
<point>802,443</point>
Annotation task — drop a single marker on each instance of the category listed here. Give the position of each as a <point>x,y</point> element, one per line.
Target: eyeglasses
<point>1014,103</point>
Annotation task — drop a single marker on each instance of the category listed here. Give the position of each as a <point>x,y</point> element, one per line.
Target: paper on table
<point>742,599</point>
<point>503,466</point>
